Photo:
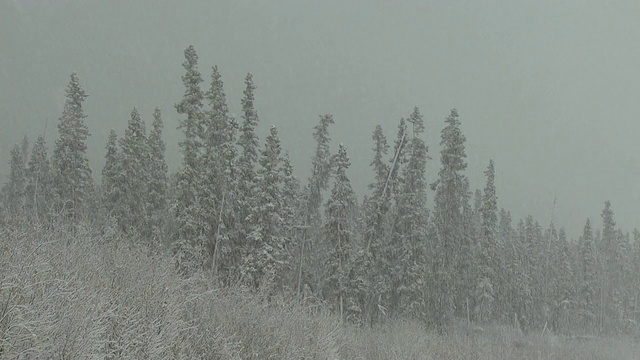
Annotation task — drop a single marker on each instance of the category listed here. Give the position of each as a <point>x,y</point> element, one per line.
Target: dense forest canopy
<point>434,250</point>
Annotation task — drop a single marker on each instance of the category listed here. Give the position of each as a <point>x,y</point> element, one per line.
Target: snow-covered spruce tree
<point>408,247</point>
<point>503,247</point>
<point>290,192</point>
<point>266,257</point>
<point>610,310</point>
<point>13,190</point>
<point>541,310</point>
<point>113,180</point>
<point>321,169</point>
<point>73,183</point>
<point>248,142</point>
<point>376,209</point>
<point>12,194</point>
<point>635,270</point>
<point>38,190</point>
<point>588,283</point>
<point>380,168</point>
<point>219,187</point>
<point>338,231</point>
<point>133,164</point>
<point>156,199</point>
<point>486,257</point>
<point>189,242</point>
<point>471,220</point>
<point>377,205</point>
<point>547,257</point>
<point>398,160</point>
<point>490,208</point>
<point>292,217</point>
<point>311,243</point>
<point>517,283</point>
<point>448,221</point>
<point>562,287</point>
<point>535,313</point>
<point>19,169</point>
<point>517,264</point>
<point>475,232</point>
<point>624,268</point>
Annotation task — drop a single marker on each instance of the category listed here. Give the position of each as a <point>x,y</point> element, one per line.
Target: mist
<point>319,179</point>
<point>547,89</point>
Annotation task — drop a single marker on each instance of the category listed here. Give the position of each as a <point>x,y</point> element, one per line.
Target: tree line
<point>235,209</point>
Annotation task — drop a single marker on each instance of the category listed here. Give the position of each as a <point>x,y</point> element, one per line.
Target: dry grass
<point>96,296</point>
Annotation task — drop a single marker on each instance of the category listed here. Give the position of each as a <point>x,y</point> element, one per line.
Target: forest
<point>235,213</point>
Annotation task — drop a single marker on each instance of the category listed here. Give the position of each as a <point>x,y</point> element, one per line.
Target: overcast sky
<point>548,89</point>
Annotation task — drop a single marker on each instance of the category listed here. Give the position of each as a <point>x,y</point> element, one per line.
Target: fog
<point>547,89</point>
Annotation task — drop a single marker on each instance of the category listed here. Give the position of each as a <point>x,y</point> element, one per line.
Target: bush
<point>100,296</point>
<point>96,295</point>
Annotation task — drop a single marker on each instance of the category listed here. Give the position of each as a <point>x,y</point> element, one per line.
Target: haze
<point>547,89</point>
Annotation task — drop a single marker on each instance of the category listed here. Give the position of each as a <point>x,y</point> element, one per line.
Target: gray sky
<point>548,89</point>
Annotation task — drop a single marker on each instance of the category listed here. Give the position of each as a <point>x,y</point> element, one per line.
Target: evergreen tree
<point>548,254</point>
<point>338,230</point>
<point>522,283</point>
<point>376,208</point>
<point>248,142</point>
<point>635,270</point>
<point>380,169</point>
<point>38,190</point>
<point>134,164</point>
<point>72,174</point>
<point>398,160</point>
<point>321,169</point>
<point>588,283</point>
<point>563,294</point>
<point>409,237</point>
<point>13,190</point>
<point>219,188</point>
<point>516,287</point>
<point>157,180</point>
<point>488,266</point>
<point>382,210</point>
<point>378,204</point>
<point>489,212</point>
<point>311,244</point>
<point>189,235</point>
<point>471,219</point>
<point>531,298</point>
<point>266,257</point>
<point>112,179</point>
<point>448,220</point>
<point>610,314</point>
<point>623,295</point>
<point>290,194</point>
<point>291,218</point>
<point>534,251</point>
